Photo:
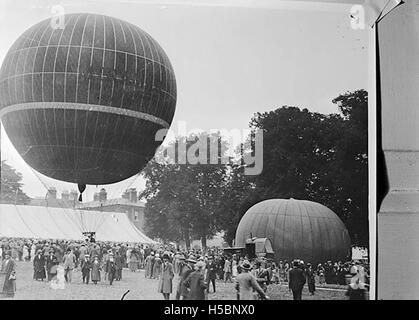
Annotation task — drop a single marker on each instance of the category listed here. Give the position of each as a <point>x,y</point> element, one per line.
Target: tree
<point>11,186</point>
<point>306,155</point>
<point>183,198</point>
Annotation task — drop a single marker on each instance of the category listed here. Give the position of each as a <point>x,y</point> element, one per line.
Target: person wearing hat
<point>297,280</point>
<point>247,285</point>
<point>8,271</point>
<point>186,268</point>
<point>69,265</point>
<point>261,274</point>
<point>149,264</point>
<point>212,273</point>
<point>119,264</point>
<point>110,268</point>
<point>96,268</point>
<point>157,266</point>
<point>166,277</point>
<point>51,264</point>
<point>86,266</point>
<point>196,282</point>
<point>39,266</point>
<point>310,279</point>
<point>227,270</point>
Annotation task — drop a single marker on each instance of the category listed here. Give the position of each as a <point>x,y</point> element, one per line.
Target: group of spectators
<point>194,271</point>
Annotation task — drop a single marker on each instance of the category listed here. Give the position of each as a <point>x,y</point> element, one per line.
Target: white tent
<point>67,224</point>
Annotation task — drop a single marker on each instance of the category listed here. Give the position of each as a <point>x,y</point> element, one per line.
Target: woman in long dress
<point>25,254</point>
<point>166,277</point>
<point>33,249</point>
<point>157,267</point>
<point>96,270</point>
<point>234,268</point>
<point>133,262</point>
<point>8,272</point>
<point>39,266</point>
<point>149,263</point>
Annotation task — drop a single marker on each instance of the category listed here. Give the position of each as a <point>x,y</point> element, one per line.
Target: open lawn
<point>140,289</point>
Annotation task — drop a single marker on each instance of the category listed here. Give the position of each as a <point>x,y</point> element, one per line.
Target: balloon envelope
<point>298,229</point>
<point>83,103</point>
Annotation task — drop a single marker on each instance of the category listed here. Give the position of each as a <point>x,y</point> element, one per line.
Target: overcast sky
<point>229,61</point>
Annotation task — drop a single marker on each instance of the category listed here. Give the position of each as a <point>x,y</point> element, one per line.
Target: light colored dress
<point>234,268</point>
<point>59,282</point>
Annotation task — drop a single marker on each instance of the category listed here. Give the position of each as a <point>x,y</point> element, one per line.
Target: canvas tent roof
<point>67,224</point>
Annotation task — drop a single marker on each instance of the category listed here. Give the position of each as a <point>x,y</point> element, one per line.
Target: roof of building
<point>111,202</point>
<point>24,221</point>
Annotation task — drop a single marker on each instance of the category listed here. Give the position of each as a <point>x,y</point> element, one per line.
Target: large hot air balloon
<point>298,229</point>
<point>83,103</point>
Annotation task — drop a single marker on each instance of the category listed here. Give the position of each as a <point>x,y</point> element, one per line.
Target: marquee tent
<point>20,221</point>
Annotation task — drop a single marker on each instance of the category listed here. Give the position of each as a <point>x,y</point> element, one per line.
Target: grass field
<point>140,289</point>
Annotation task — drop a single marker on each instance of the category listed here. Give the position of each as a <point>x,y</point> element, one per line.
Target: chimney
<point>52,193</point>
<point>103,194</point>
<point>125,195</point>
<point>133,195</point>
<point>65,195</point>
<point>74,195</point>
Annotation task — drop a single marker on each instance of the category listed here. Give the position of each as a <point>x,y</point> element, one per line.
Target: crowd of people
<point>188,274</point>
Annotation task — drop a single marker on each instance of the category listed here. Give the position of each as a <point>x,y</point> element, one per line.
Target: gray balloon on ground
<point>298,229</point>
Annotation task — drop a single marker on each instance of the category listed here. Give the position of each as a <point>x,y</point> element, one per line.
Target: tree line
<point>306,155</point>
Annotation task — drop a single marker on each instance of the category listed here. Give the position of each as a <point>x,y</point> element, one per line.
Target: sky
<point>231,59</point>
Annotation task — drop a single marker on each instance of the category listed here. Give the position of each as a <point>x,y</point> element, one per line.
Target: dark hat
<point>246,265</point>
<point>165,256</point>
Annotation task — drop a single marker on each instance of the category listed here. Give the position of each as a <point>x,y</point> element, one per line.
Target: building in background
<point>67,200</point>
<point>128,203</point>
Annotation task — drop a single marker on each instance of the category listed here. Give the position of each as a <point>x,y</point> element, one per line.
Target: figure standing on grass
<point>69,265</point>
<point>86,266</point>
<point>51,265</point>
<point>59,281</point>
<point>212,273</point>
<point>196,282</point>
<point>96,270</point>
<point>110,268</point>
<point>310,279</point>
<point>186,269</point>
<point>8,271</point>
<point>247,285</point>
<point>119,264</point>
<point>227,270</point>
<point>166,277</point>
<point>296,280</point>
<point>149,264</point>
<point>157,267</point>
<point>39,266</point>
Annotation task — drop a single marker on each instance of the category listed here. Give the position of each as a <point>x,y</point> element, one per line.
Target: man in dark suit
<point>211,273</point>
<point>296,280</point>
